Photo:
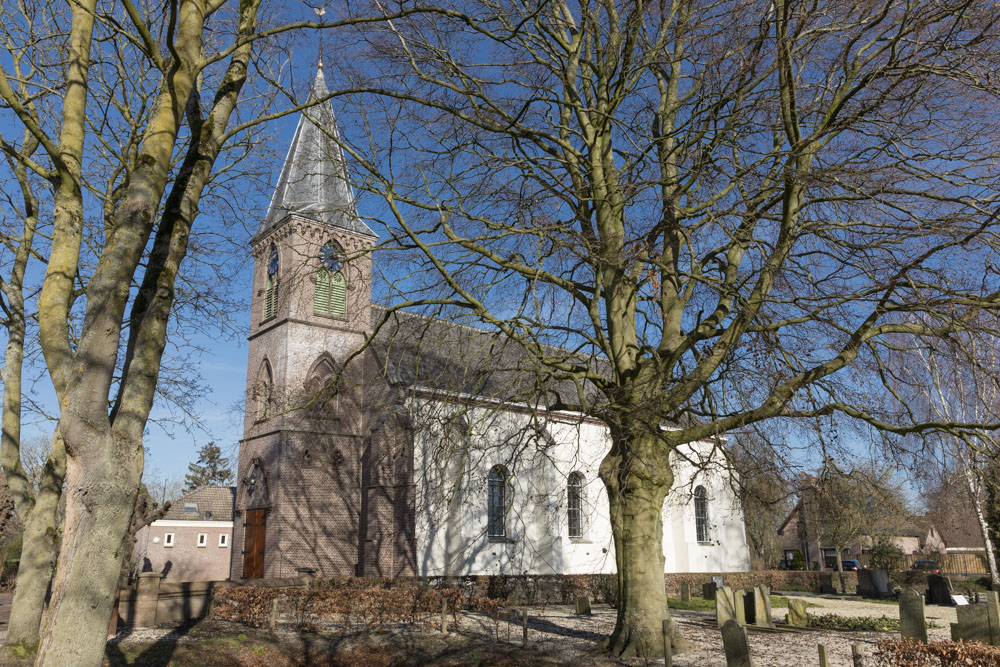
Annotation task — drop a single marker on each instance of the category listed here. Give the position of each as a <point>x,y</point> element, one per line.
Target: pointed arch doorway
<point>254,499</point>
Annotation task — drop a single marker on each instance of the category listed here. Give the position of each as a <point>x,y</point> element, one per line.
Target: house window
<point>223,540</point>
<point>701,513</point>
<point>574,504</point>
<point>190,508</point>
<point>202,539</point>
<point>496,509</point>
<point>168,540</point>
<point>271,289</point>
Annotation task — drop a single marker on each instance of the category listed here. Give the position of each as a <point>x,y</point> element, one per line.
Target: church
<point>381,443</point>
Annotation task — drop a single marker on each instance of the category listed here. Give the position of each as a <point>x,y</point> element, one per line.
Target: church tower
<point>298,497</point>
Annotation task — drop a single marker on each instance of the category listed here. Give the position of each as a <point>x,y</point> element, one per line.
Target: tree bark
<point>39,553</point>
<point>840,569</point>
<point>635,498</point>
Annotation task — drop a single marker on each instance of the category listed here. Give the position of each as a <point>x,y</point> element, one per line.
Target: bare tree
<point>718,210</point>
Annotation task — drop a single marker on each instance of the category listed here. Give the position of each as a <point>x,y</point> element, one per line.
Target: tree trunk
<point>100,499</point>
<point>635,499</point>
<point>39,553</point>
<point>840,569</point>
<point>975,497</point>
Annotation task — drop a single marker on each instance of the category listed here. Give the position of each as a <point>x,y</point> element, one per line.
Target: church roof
<point>313,181</point>
<point>447,356</point>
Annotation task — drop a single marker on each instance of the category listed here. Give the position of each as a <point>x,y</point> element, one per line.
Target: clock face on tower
<point>331,256</point>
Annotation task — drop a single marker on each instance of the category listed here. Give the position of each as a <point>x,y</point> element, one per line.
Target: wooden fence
<point>968,564</point>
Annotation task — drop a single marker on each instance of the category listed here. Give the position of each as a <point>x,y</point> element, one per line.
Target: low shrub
<point>911,653</point>
<point>860,624</point>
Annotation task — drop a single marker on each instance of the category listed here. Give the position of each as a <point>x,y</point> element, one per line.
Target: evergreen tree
<point>211,469</point>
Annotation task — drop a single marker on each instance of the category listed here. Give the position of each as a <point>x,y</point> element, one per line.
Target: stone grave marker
<point>725,608</point>
<point>762,610</point>
<point>740,605</point>
<point>719,582</point>
<point>880,583</point>
<point>749,600</point>
<point>797,616</point>
<point>939,589</point>
<point>685,591</point>
<point>708,590</point>
<point>583,606</point>
<point>959,600</point>
<point>825,581</point>
<point>912,622</point>
<point>973,624</point>
<point>734,641</point>
<point>866,587</point>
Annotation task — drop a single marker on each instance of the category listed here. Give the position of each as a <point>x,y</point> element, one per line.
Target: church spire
<point>313,181</point>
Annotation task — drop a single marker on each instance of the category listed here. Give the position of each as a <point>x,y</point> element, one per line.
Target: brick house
<point>433,453</point>
<point>193,539</point>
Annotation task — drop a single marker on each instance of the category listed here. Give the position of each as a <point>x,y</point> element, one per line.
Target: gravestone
<point>708,590</point>
<point>740,605</point>
<point>719,581</point>
<point>912,623</point>
<point>797,616</point>
<point>685,591</point>
<point>734,641</point>
<point>939,590</point>
<point>825,581</point>
<point>583,606</point>
<point>762,610</point>
<point>725,608</point>
<point>880,582</point>
<point>866,587</point>
<point>973,624</point>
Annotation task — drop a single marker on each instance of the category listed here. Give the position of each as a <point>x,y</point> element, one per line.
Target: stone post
<point>685,591</point>
<point>147,591</point>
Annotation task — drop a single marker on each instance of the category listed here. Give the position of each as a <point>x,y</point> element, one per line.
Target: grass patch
<point>701,604</point>
<point>892,601</point>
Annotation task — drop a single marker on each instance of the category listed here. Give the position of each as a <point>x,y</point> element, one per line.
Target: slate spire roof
<point>313,181</point>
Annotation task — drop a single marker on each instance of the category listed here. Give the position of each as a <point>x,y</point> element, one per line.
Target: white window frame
<point>223,540</point>
<point>202,540</point>
<point>168,540</point>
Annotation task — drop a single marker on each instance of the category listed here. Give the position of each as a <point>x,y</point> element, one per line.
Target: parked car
<point>851,565</point>
<point>926,566</point>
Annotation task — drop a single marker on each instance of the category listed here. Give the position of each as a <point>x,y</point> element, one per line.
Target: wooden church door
<point>253,544</point>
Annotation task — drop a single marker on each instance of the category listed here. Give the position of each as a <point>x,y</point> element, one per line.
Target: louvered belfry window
<point>271,289</point>
<point>330,297</point>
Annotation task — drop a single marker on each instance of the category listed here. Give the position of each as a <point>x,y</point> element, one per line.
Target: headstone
<point>725,609</point>
<point>939,590</point>
<point>823,660</point>
<point>973,624</point>
<point>685,591</point>
<point>993,608</point>
<point>826,583</point>
<point>797,616</point>
<point>762,610</point>
<point>880,583</point>
<point>708,590</point>
<point>866,588</point>
<point>740,605</point>
<point>583,606</point>
<point>719,581</point>
<point>912,623</point>
<point>959,600</point>
<point>734,641</point>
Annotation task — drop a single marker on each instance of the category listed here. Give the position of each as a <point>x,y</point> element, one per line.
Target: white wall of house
<point>450,474</point>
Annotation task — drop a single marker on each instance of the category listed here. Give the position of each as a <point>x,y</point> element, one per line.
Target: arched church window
<point>271,289</point>
<point>701,513</point>
<point>265,392</point>
<point>574,504</point>
<point>330,297</point>
<point>496,510</point>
